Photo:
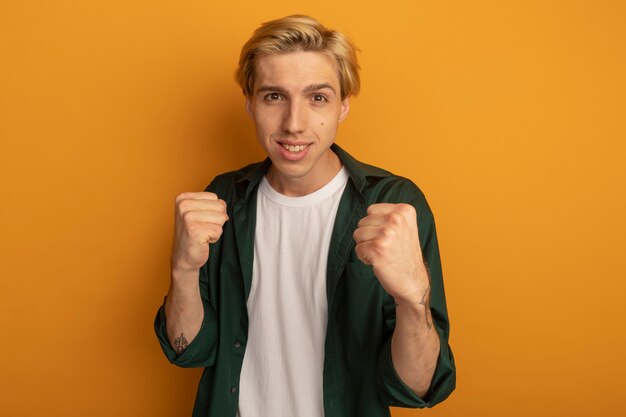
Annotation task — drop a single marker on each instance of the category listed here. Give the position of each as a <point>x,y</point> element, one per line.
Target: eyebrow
<point>307,89</point>
<point>315,87</point>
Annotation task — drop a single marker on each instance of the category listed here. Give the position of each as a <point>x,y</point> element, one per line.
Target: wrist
<point>181,269</point>
<point>417,301</point>
<point>411,305</point>
<point>185,279</point>
<point>418,293</point>
<point>417,314</point>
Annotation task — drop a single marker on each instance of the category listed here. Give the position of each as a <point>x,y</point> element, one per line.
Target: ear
<point>249,107</point>
<point>345,108</point>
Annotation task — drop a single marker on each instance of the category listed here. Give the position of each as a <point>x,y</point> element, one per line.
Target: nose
<point>295,118</point>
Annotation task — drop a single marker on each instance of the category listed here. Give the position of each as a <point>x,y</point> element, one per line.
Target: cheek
<point>326,129</point>
<point>323,120</point>
<point>262,123</point>
<point>269,120</point>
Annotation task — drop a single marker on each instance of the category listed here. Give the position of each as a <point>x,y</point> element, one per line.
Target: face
<point>296,107</point>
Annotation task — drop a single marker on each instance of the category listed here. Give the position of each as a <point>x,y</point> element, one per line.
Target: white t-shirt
<point>282,370</point>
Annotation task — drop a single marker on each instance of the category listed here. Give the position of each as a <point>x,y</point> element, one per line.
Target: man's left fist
<point>387,238</point>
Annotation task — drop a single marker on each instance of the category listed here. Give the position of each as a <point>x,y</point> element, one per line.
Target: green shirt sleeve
<point>392,388</point>
<point>202,349</point>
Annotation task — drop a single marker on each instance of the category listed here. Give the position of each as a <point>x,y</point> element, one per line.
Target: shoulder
<point>384,186</point>
<point>227,183</point>
<point>232,177</point>
<point>378,185</point>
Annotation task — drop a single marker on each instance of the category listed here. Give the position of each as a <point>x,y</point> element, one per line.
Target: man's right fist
<point>199,218</point>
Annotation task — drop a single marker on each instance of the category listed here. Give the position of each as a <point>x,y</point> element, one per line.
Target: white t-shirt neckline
<point>315,197</point>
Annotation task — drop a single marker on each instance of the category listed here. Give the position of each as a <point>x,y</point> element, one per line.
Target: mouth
<point>294,148</point>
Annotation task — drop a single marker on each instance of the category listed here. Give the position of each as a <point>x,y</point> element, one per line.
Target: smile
<point>294,148</point>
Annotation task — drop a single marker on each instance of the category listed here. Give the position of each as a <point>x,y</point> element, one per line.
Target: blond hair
<point>299,33</point>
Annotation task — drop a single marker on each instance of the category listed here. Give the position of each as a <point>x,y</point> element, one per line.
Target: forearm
<point>183,309</point>
<point>415,346</point>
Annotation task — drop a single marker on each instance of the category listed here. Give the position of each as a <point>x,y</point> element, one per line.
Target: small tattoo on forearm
<point>429,319</point>
<point>426,296</point>
<point>180,344</point>
<point>425,301</point>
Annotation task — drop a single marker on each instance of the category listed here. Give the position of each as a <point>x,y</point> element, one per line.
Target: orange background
<point>510,115</point>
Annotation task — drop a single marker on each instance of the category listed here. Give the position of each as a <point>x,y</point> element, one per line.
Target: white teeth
<point>297,148</point>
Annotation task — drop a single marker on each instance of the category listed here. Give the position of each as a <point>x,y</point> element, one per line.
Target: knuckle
<point>180,197</point>
<point>188,196</point>
<point>360,253</point>
<point>378,245</point>
<point>406,209</point>
<point>387,232</point>
<point>183,205</point>
<point>215,231</point>
<point>194,232</point>
<point>188,217</point>
<point>394,218</point>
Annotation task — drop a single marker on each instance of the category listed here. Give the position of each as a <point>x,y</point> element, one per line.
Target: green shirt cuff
<point>202,349</point>
<point>397,393</point>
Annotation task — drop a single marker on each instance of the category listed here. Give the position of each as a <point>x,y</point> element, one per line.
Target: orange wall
<point>508,114</point>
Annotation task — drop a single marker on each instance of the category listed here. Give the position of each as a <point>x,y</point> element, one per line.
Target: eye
<point>273,97</point>
<point>319,98</point>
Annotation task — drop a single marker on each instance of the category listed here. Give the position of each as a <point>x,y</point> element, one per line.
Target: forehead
<point>296,70</point>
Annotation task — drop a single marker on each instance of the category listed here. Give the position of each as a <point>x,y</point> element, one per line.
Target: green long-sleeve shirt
<point>359,378</point>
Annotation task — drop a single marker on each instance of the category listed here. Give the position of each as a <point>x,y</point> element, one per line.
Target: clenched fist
<point>199,218</point>
<point>387,238</point>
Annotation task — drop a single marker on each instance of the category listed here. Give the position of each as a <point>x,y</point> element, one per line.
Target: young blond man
<point>309,284</point>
